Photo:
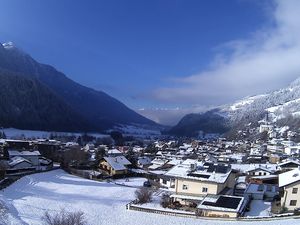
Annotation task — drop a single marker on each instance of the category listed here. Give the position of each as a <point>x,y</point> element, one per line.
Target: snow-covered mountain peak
<point>11,48</point>
<point>8,45</point>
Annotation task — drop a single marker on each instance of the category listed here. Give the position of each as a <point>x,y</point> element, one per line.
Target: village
<point>193,177</point>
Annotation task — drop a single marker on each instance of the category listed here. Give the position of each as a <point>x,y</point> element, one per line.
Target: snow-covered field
<point>131,182</point>
<point>103,203</point>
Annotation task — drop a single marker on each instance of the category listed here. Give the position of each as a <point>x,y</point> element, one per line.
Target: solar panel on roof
<point>199,175</point>
<point>224,202</point>
<point>221,169</point>
<point>211,168</point>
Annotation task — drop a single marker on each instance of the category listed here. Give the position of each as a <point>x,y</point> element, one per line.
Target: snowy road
<point>103,203</point>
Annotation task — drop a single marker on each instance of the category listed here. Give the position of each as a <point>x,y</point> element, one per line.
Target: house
<point>45,164</point>
<point>292,150</point>
<point>114,152</point>
<point>18,165</point>
<point>274,158</point>
<point>143,162</point>
<point>32,156</point>
<point>71,144</point>
<point>17,144</point>
<point>117,165</point>
<point>17,162</point>
<point>275,148</point>
<point>289,165</point>
<point>266,192</point>
<point>289,184</point>
<point>265,128</point>
<point>222,206</point>
<point>158,163</point>
<point>260,171</point>
<point>193,178</point>
<point>47,148</point>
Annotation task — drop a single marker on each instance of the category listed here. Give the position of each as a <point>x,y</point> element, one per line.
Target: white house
<point>292,150</point>
<point>262,170</point>
<point>289,182</point>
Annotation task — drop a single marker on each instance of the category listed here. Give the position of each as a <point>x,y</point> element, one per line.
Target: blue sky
<point>146,53</point>
<point>126,48</point>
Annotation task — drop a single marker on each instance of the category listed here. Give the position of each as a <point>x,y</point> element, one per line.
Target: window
<point>184,187</point>
<point>259,173</point>
<point>204,189</point>
<point>293,202</point>
<point>164,181</point>
<point>265,173</point>
<point>295,190</point>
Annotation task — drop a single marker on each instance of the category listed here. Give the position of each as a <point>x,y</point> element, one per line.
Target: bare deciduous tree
<point>143,195</point>
<point>165,200</point>
<point>64,218</point>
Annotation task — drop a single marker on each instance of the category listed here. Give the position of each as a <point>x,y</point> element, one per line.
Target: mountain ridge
<point>97,108</point>
<point>279,104</point>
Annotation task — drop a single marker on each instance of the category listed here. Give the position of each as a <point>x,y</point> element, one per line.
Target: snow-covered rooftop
<point>248,167</point>
<point>13,153</point>
<point>289,161</point>
<point>289,177</point>
<point>144,160</point>
<point>118,162</point>
<point>200,171</point>
<point>17,160</point>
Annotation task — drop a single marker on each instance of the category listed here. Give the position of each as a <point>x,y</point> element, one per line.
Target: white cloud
<point>268,60</point>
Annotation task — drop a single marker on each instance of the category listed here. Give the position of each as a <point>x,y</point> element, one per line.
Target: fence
<point>132,206</point>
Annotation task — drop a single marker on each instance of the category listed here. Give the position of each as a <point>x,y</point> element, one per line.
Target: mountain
<point>85,108</point>
<point>27,103</point>
<point>282,107</point>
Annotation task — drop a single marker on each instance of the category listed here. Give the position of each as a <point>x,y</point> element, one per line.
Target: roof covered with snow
<point>289,177</point>
<point>13,153</point>
<point>17,160</point>
<point>118,162</point>
<point>144,160</point>
<point>249,167</point>
<point>199,171</point>
<point>114,151</point>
